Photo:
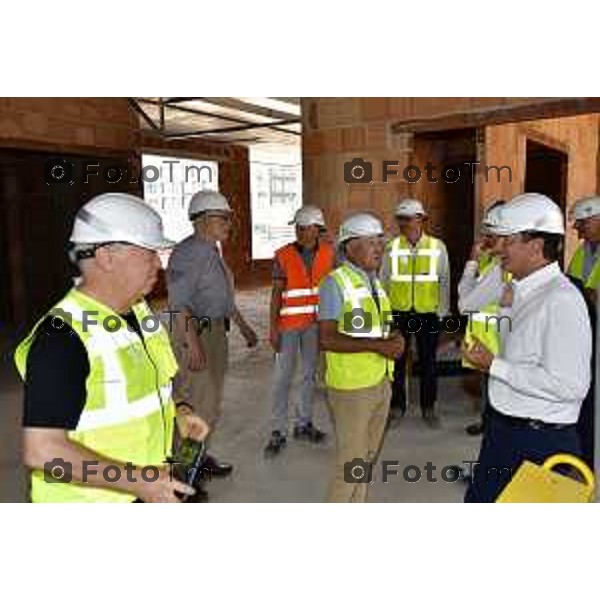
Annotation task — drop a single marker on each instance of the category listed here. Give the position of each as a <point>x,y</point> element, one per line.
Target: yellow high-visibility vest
<point>356,370</point>
<point>576,269</point>
<point>129,412</point>
<point>414,282</point>
<point>484,324</point>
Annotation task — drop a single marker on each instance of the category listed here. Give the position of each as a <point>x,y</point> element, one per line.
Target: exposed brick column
<point>338,130</point>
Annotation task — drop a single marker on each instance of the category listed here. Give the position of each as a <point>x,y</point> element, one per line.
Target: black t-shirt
<point>57,370</point>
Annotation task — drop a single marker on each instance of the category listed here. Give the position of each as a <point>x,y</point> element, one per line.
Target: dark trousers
<point>585,423</point>
<point>585,426</point>
<point>505,446</point>
<point>425,326</point>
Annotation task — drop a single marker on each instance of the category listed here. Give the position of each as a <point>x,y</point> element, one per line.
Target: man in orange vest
<point>298,269</point>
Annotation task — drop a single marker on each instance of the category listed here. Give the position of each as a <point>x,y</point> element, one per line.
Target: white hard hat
<point>115,217</point>
<point>492,217</point>
<point>530,212</point>
<point>308,215</point>
<point>409,208</point>
<point>360,225</point>
<point>206,200</point>
<point>586,208</point>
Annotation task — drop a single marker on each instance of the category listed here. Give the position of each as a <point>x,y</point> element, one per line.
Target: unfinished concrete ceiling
<point>233,120</point>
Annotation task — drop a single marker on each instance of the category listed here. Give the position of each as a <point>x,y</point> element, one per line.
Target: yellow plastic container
<point>535,483</point>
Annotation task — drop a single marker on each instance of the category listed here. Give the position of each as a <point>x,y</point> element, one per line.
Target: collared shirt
<point>443,274</point>
<point>331,298</point>
<point>475,293</point>
<point>198,279</point>
<point>543,368</point>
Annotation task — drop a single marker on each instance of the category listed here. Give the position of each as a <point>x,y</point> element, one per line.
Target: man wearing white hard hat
<point>98,369</point>
<point>201,290</point>
<point>298,269</point>
<point>585,264</point>
<point>584,271</point>
<point>541,373</point>
<point>479,292</point>
<point>416,275</point>
<point>354,331</point>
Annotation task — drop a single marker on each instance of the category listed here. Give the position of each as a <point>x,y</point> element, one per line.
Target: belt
<point>531,423</point>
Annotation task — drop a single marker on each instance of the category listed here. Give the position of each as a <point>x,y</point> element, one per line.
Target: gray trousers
<point>306,342</point>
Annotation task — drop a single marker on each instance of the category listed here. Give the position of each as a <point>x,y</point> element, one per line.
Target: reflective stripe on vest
<point>357,296</point>
<point>397,252</point>
<point>356,370</point>
<point>128,413</point>
<point>414,274</point>
<point>300,299</point>
<point>299,310</point>
<point>300,292</point>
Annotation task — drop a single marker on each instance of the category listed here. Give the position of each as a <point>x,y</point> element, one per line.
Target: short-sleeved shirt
<point>198,279</point>
<point>331,298</point>
<point>56,375</point>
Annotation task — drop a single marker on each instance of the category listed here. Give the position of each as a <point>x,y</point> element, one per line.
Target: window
<point>170,194</point>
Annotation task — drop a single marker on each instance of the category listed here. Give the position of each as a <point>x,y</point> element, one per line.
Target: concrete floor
<point>301,472</point>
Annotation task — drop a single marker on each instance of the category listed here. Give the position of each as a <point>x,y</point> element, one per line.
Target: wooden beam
<point>544,109</point>
<point>221,130</point>
<point>247,107</point>
<point>212,115</point>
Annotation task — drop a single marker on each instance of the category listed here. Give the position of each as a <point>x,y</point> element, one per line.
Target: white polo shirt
<point>543,368</point>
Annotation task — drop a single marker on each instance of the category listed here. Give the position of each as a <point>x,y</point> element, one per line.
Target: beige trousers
<point>204,389</point>
<point>359,417</point>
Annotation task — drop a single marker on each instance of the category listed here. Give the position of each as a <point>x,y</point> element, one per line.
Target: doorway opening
<point>451,200</point>
<point>546,172</point>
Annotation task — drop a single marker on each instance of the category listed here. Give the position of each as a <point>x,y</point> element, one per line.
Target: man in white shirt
<point>542,372</point>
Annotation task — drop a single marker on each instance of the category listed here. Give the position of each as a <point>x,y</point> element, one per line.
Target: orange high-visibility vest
<point>300,298</point>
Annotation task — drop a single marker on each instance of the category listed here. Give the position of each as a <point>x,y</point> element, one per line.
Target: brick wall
<point>88,125</point>
<point>336,130</point>
<point>576,136</point>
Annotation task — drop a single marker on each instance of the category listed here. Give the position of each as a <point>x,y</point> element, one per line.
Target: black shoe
<point>216,468</point>
<point>309,432</point>
<point>276,444</point>
<point>430,418</point>
<point>474,428</point>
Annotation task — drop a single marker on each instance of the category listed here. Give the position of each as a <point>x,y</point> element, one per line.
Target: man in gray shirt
<point>201,294</point>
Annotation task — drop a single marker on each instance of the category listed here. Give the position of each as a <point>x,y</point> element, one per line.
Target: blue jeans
<point>306,343</point>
